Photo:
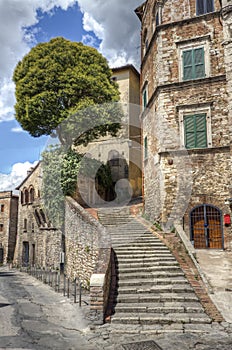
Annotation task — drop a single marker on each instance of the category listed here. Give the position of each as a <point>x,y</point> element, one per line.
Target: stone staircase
<point>151,287</point>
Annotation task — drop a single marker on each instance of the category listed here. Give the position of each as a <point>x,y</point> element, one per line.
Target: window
<point>25,225</point>
<point>195,126</point>
<point>26,196</point>
<point>144,97</point>
<point>195,131</point>
<point>145,148</point>
<point>2,208</point>
<point>1,227</point>
<point>193,63</point>
<point>31,195</point>
<point>204,6</point>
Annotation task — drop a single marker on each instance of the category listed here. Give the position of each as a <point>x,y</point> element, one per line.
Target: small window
<point>32,227</point>
<point>31,195</point>
<point>204,6</point>
<point>195,131</point>
<point>26,196</point>
<point>193,63</point>
<point>145,148</point>
<point>1,227</point>
<point>145,99</point>
<point>2,208</point>
<point>25,225</point>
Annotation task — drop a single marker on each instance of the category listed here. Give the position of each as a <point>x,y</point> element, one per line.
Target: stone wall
<point>34,230</point>
<point>84,236</point>
<point>8,222</point>
<point>176,179</point>
<point>88,256</point>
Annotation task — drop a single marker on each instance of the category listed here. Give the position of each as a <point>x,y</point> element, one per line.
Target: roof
<point>27,177</point>
<point>126,67</point>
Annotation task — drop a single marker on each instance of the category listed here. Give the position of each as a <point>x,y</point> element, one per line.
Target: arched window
<point>22,197</point>
<point>31,194</point>
<point>26,196</point>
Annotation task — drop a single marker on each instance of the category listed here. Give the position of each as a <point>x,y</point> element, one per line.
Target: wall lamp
<point>228,201</point>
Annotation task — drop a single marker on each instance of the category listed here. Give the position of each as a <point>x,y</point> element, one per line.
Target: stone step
<point>138,250</point>
<point>155,298</point>
<point>151,318</point>
<point>152,281</point>
<point>157,289</point>
<point>150,270</point>
<point>158,274</point>
<point>141,260</point>
<point>150,308</point>
<point>137,265</point>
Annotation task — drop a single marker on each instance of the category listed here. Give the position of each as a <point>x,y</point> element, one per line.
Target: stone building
<point>185,118</point>
<point>122,153</point>
<point>38,243</point>
<point>8,225</point>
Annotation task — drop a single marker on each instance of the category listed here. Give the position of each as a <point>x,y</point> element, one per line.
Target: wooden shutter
<point>145,148</point>
<point>187,65</point>
<point>199,63</point>
<point>189,127</point>
<point>201,134</point>
<point>195,131</point>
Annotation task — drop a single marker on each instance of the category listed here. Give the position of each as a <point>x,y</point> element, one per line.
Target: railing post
<point>80,286</point>
<point>64,283</point>
<point>75,290</point>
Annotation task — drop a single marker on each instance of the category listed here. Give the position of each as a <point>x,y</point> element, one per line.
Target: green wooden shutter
<point>201,134</point>
<point>199,63</point>
<point>187,65</point>
<point>145,148</point>
<point>195,131</point>
<point>189,127</point>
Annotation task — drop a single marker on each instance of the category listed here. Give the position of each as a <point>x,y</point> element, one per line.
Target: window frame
<point>185,112</point>
<point>193,44</point>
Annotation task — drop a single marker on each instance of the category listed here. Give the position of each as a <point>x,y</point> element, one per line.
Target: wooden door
<point>206,227</point>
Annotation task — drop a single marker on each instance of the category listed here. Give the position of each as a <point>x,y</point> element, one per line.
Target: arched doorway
<point>206,227</point>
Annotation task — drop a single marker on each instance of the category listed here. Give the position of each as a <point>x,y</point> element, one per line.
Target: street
<point>33,316</point>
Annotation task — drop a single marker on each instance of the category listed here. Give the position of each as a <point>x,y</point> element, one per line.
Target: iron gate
<point>206,227</point>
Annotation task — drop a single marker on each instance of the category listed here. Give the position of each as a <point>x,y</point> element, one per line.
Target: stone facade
<point>84,237</point>
<point>122,153</point>
<point>184,74</point>
<point>8,225</point>
<point>38,243</point>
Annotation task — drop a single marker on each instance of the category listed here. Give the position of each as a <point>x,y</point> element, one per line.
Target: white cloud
<point>9,182</point>
<point>17,129</point>
<point>15,41</point>
<point>115,23</point>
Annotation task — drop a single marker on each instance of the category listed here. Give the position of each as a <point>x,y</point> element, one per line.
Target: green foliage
<point>59,79</point>
<point>52,193</point>
<point>61,168</point>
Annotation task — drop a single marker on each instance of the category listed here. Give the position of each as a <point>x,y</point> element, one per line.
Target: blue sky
<point>25,23</point>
